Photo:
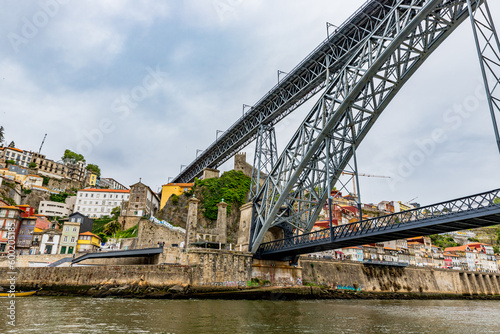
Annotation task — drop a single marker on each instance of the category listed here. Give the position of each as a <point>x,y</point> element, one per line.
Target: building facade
<point>88,242</point>
<point>54,209</point>
<point>170,189</point>
<point>46,241</point>
<point>97,203</point>
<point>25,235</point>
<point>10,221</point>
<point>142,201</point>
<point>69,238</point>
<point>110,183</point>
<point>20,157</point>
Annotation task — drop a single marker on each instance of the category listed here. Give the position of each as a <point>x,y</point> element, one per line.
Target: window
<point>74,229</point>
<point>63,249</point>
<point>79,220</point>
<point>72,239</point>
<point>65,239</point>
<point>86,195</point>
<point>67,229</point>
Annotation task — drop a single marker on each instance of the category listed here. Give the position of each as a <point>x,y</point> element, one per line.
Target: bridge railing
<point>444,209</point>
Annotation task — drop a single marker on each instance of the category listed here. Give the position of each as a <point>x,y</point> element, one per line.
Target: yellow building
<point>88,242</point>
<point>91,179</point>
<point>170,189</point>
<point>27,181</point>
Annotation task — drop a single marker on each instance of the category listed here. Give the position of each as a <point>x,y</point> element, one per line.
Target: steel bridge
<point>460,214</point>
<point>356,71</point>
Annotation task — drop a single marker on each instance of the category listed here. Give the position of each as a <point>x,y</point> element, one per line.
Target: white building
<point>49,243</point>
<point>22,158</point>
<point>110,183</point>
<point>54,209</point>
<point>96,203</point>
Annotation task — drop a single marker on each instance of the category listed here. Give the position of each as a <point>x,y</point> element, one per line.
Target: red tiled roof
<point>89,233</point>
<point>9,207</point>
<point>179,184</point>
<point>459,248</point>
<point>15,149</point>
<point>105,190</point>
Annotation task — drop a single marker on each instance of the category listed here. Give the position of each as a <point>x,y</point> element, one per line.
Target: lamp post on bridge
<point>279,73</point>
<point>328,25</point>
<point>198,152</point>
<point>182,167</point>
<point>217,134</point>
<point>245,106</point>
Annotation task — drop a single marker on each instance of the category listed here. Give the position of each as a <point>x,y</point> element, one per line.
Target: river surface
<point>88,315</point>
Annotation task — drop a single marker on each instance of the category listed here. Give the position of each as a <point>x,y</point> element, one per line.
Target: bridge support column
<point>192,222</point>
<point>244,227</point>
<point>277,272</point>
<point>222,222</point>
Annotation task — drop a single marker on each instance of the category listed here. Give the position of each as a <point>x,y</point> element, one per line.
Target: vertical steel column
<point>488,50</point>
<point>266,155</point>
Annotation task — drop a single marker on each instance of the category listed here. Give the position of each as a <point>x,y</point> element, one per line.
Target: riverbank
<point>242,293</point>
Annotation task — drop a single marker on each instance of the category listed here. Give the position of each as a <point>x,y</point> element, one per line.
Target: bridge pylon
<point>266,155</point>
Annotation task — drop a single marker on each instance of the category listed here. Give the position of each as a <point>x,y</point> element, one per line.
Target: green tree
<point>94,169</point>
<point>496,200</point>
<point>61,198</point>
<point>72,157</point>
<point>12,144</point>
<point>116,212</point>
<point>32,165</point>
<point>232,186</point>
<point>112,227</point>
<point>104,237</point>
<point>10,162</point>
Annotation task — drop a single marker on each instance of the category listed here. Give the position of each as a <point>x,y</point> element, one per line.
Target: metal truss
<point>323,145</point>
<point>488,48</point>
<point>266,156</point>
<point>303,82</point>
<point>463,213</point>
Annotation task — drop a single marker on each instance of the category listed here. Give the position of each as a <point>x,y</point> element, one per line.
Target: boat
<point>19,293</point>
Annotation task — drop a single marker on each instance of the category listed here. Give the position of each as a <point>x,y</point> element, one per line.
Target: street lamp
<point>328,25</point>
<point>197,152</point>
<point>182,167</point>
<point>217,134</point>
<point>281,72</point>
<point>245,106</point>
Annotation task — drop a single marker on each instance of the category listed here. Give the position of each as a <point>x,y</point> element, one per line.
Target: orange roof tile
<point>15,149</point>
<point>459,248</point>
<point>179,184</point>
<point>105,190</point>
<point>90,234</point>
<point>9,207</point>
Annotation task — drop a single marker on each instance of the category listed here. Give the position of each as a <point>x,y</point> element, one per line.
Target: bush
<point>175,199</point>
<point>232,186</point>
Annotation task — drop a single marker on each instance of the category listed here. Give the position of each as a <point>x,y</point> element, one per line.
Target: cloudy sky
<point>138,86</point>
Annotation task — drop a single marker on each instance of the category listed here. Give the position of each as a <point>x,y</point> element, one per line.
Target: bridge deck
<point>464,213</point>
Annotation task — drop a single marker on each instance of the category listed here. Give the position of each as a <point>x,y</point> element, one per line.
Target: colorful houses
<point>88,242</point>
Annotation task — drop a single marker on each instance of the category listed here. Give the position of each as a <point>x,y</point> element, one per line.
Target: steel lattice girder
<point>266,155</point>
<point>297,187</point>
<point>467,212</point>
<point>302,83</point>
<point>488,47</point>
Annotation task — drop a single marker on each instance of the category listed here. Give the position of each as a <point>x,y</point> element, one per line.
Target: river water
<point>88,315</point>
